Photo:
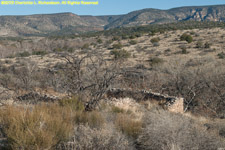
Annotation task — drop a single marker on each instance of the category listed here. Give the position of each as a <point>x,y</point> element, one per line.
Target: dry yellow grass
<point>127,125</point>
<point>38,127</point>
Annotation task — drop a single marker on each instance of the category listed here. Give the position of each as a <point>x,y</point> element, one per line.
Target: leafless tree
<point>89,76</point>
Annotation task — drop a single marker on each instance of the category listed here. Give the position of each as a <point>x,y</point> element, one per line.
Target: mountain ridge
<point>44,24</point>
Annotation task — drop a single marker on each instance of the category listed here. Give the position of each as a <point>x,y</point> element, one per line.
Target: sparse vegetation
<point>40,127</point>
<point>155,40</point>
<point>85,46</point>
<point>74,103</point>
<point>207,45</point>
<point>221,55</point>
<point>62,100</point>
<point>117,46</point>
<point>155,61</point>
<point>199,44</point>
<point>23,54</point>
<point>120,54</point>
<point>133,42</point>
<point>186,37</point>
<point>127,125</point>
<point>42,53</point>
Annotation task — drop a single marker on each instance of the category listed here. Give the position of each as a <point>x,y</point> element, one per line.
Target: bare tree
<point>89,76</point>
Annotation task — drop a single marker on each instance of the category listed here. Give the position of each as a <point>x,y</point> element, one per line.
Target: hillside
<point>156,16</point>
<point>67,23</point>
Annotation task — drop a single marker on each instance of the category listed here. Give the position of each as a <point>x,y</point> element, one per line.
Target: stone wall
<point>173,104</point>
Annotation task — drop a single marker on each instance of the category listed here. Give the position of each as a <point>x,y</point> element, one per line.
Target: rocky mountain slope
<point>68,23</point>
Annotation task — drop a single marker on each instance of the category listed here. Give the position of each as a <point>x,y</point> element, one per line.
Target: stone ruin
<point>35,97</point>
<point>170,103</point>
<point>173,104</point>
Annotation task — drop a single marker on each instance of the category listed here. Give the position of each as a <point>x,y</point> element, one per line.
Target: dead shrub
<point>38,127</point>
<point>86,138</point>
<point>164,128</point>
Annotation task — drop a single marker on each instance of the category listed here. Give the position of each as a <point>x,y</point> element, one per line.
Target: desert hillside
<point>69,23</point>
<point>144,87</point>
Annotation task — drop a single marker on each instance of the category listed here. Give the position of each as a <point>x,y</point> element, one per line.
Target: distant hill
<point>67,23</point>
<point>156,16</point>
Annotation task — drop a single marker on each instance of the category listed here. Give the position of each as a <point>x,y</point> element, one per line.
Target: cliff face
<point>67,23</point>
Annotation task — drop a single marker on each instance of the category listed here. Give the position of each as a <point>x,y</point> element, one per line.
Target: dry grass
<point>116,109</point>
<point>165,131</point>
<point>93,119</point>
<point>127,125</point>
<point>38,127</point>
<point>86,138</point>
<point>74,103</point>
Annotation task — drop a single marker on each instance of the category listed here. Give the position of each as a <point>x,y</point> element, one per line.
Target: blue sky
<point>105,7</point>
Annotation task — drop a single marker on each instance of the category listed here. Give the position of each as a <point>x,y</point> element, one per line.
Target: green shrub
<point>117,46</point>
<point>184,51</point>
<point>58,50</point>
<point>199,44</point>
<point>133,42</point>
<point>42,53</point>
<point>221,55</point>
<point>23,54</point>
<point>186,37</point>
<point>116,38</point>
<point>85,46</point>
<point>118,54</point>
<point>155,40</point>
<point>70,50</point>
<point>207,45</point>
<point>124,37</point>
<point>138,35</point>
<point>155,61</point>
<point>99,41</point>
<point>132,37</point>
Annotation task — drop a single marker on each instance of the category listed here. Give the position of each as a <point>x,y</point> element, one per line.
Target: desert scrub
<point>128,126</point>
<point>117,46</point>
<point>38,127</point>
<point>199,44</point>
<point>107,138</point>
<point>23,54</point>
<point>85,46</point>
<point>155,61</point>
<point>207,45</point>
<point>163,130</point>
<point>116,109</point>
<point>118,54</point>
<point>133,42</point>
<point>74,103</point>
<point>93,119</point>
<point>99,41</point>
<point>155,40</point>
<point>116,38</point>
<point>42,53</point>
<point>221,55</point>
<point>186,37</point>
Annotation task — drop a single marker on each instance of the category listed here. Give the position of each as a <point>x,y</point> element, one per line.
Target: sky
<point>105,7</point>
